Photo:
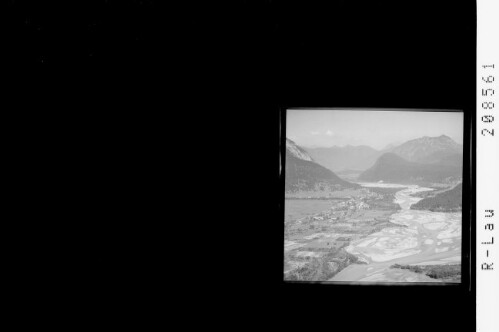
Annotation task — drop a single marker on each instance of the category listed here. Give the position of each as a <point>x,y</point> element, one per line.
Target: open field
<point>339,194</point>
<point>296,209</point>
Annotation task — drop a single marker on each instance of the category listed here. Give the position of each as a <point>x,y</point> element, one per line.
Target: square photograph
<point>373,196</point>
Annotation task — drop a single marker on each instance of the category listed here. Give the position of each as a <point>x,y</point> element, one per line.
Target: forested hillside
<point>447,201</point>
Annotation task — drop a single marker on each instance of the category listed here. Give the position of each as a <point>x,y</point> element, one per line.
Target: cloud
<point>329,133</point>
<point>314,133</point>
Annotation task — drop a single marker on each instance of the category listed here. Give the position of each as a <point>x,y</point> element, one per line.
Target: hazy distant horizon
<point>376,129</point>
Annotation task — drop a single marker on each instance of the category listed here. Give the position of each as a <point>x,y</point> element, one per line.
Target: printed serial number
<point>487,92</point>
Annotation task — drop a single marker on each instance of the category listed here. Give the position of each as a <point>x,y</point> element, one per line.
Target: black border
<point>415,55</point>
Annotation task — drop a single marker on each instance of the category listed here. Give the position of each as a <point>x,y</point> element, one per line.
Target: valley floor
<point>358,240</point>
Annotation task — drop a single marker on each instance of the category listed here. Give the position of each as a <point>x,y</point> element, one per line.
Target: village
<point>320,238</point>
<point>350,205</point>
<point>360,206</point>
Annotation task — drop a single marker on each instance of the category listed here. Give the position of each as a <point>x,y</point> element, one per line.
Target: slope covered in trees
<point>308,175</point>
<point>448,201</point>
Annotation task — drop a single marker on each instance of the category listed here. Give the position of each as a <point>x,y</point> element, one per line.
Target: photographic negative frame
<point>387,60</point>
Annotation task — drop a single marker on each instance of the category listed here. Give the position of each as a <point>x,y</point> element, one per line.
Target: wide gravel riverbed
<point>430,238</point>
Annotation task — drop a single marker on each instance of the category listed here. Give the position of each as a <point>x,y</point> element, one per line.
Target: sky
<point>377,129</point>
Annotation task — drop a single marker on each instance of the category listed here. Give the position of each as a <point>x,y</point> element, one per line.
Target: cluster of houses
<point>350,205</point>
<point>363,206</point>
<point>325,217</point>
<point>344,206</point>
<point>333,216</point>
<point>366,193</point>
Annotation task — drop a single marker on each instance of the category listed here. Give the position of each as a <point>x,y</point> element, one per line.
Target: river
<point>429,238</point>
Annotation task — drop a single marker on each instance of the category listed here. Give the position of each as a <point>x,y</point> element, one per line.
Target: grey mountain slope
<point>390,167</point>
<point>303,174</point>
<point>297,151</point>
<point>427,149</point>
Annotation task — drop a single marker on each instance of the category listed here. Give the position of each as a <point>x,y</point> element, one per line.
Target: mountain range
<point>425,150</point>
<point>433,159</point>
<point>349,157</point>
<point>425,159</point>
<point>303,173</point>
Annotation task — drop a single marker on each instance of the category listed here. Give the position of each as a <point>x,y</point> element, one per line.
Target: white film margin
<point>487,164</point>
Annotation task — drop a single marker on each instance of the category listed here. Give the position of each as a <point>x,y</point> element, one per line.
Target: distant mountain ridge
<point>425,159</point>
<point>302,173</point>
<point>426,150</point>
<point>338,158</point>
<point>422,159</point>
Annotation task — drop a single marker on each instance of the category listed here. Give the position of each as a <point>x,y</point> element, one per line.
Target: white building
<point>363,206</point>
